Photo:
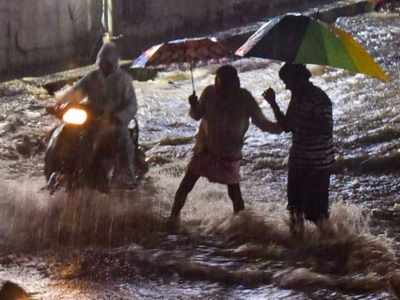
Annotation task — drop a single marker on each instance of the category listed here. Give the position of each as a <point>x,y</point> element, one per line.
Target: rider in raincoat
<point>110,93</point>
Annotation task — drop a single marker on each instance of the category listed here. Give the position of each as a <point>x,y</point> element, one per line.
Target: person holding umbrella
<point>224,109</point>
<point>309,119</point>
<point>297,40</point>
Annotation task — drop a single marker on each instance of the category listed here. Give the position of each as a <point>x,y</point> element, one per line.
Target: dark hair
<point>229,79</point>
<point>294,71</point>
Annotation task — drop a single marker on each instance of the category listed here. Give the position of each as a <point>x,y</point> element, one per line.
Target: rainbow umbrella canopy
<point>304,40</point>
<point>190,50</point>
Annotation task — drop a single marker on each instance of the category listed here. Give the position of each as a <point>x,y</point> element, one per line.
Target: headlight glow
<point>75,116</point>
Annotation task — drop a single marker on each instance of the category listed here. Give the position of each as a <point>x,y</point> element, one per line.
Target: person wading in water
<point>309,119</point>
<point>224,110</point>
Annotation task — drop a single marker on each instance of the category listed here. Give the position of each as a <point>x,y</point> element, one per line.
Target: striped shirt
<point>309,118</point>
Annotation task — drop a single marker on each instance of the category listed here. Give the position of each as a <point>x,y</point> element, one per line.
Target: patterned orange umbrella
<point>182,51</point>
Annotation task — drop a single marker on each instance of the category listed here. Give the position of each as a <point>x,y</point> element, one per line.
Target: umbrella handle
<point>191,74</point>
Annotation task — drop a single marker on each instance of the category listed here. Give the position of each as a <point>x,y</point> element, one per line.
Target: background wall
<point>39,32</point>
<point>145,22</point>
<point>36,34</point>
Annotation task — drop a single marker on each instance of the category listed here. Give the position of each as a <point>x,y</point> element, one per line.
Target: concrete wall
<point>46,32</point>
<point>40,32</point>
<point>146,22</point>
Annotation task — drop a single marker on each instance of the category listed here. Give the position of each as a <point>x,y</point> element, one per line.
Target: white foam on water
<point>352,259</point>
<point>32,218</point>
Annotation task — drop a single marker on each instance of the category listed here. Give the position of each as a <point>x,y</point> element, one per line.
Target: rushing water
<point>91,246</point>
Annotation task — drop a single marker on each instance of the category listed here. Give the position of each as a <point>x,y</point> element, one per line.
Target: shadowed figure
<point>309,119</point>
<point>224,109</point>
<point>112,98</point>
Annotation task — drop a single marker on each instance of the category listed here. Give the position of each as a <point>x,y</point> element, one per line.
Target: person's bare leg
<point>236,196</point>
<point>185,187</point>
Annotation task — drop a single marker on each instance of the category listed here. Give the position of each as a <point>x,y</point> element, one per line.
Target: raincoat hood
<point>109,53</point>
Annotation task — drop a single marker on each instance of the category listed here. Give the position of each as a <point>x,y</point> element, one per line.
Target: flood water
<point>91,246</point>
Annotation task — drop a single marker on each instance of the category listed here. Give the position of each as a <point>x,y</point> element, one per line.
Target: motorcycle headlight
<point>75,116</point>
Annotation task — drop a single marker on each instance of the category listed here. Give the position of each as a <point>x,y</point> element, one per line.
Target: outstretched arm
<point>269,96</point>
<point>74,94</point>
<point>259,119</point>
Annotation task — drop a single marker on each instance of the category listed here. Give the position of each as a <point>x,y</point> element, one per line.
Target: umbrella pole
<point>191,74</point>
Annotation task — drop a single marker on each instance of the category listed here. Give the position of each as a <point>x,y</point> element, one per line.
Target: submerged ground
<point>117,247</point>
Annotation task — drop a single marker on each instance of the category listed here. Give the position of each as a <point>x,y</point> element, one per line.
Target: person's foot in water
<point>326,228</point>
<point>126,181</point>
<point>173,222</point>
<point>297,225</point>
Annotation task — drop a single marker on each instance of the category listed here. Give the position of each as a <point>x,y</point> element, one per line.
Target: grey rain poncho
<point>113,94</point>
<point>109,95</point>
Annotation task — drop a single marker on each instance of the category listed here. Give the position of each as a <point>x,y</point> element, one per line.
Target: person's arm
<point>269,96</point>
<point>128,108</point>
<point>198,107</point>
<point>74,94</point>
<point>259,119</point>
<point>322,119</point>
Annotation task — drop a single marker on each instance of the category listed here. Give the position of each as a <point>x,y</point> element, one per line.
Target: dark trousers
<point>117,134</point>
<point>126,151</point>
<point>308,193</point>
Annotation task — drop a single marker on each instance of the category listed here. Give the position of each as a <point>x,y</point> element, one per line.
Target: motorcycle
<point>82,151</point>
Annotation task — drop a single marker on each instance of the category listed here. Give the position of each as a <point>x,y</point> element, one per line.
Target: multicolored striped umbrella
<point>304,40</point>
<point>182,51</point>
